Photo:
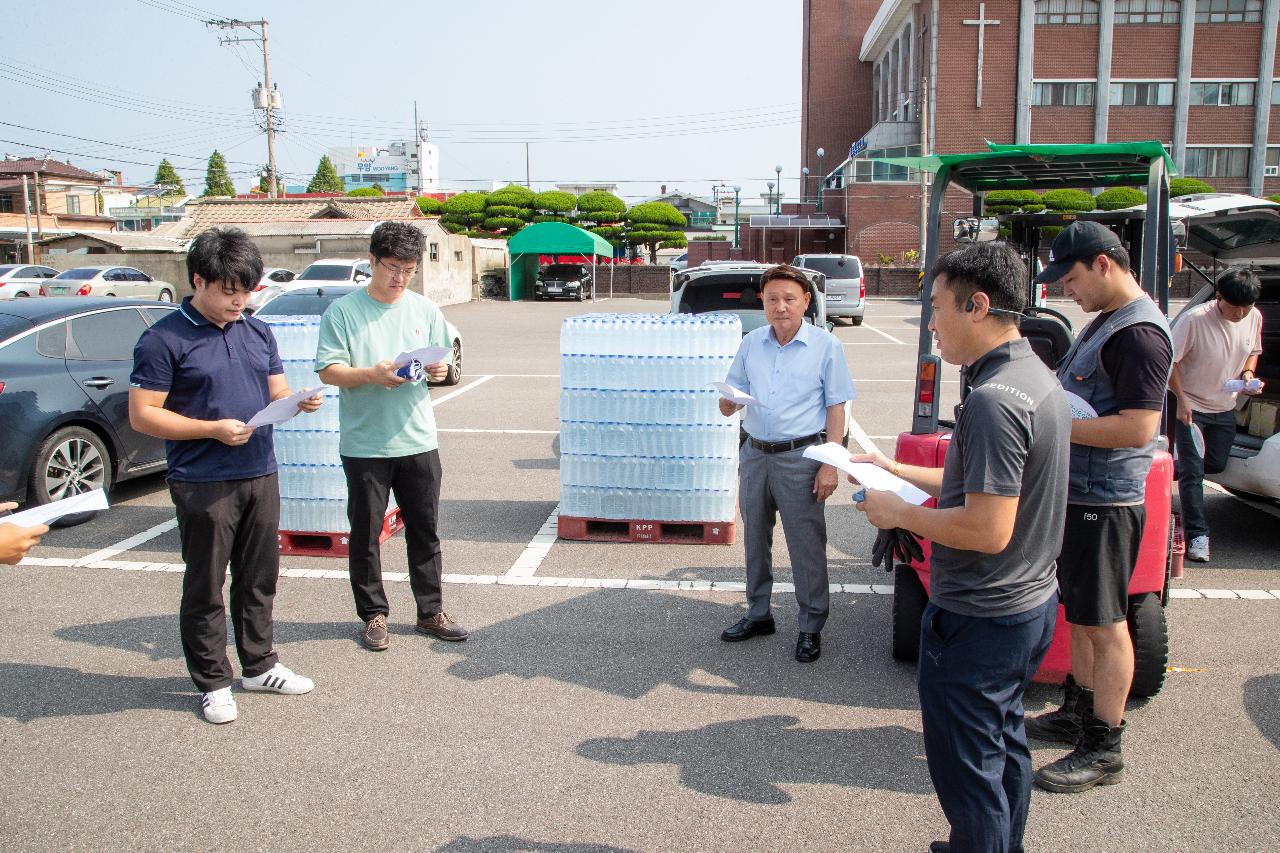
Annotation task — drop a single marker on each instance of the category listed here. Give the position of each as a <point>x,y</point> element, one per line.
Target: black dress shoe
<point>808,647</point>
<point>745,629</point>
<point>940,847</point>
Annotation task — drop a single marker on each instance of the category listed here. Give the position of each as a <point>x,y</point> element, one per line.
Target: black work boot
<point>1096,760</point>
<point>1063,725</point>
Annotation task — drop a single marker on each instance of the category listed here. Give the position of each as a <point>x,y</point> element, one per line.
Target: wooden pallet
<point>294,543</point>
<point>658,532</point>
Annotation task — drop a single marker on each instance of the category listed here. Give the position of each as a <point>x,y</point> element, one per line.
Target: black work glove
<point>896,544</point>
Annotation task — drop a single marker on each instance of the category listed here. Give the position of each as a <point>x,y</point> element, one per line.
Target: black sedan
<point>64,396</point>
<point>315,300</point>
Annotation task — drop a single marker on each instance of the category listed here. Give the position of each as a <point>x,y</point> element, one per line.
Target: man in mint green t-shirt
<point>388,441</point>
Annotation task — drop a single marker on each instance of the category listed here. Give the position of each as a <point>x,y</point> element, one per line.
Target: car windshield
<point>77,274</point>
<point>835,267</point>
<point>562,271</point>
<point>325,272</point>
<point>300,303</point>
<point>7,268</point>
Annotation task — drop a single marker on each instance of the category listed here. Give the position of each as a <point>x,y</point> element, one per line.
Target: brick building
<point>946,75</point>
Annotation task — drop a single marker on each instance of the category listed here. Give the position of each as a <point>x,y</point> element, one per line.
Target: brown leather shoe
<point>375,636</point>
<point>442,627</point>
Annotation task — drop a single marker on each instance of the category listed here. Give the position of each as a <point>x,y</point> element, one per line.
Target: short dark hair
<point>1240,286</point>
<point>1118,255</point>
<point>788,273</point>
<point>398,241</point>
<point>995,269</point>
<point>226,255</point>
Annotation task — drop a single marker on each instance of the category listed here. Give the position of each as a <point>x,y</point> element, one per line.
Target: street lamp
<point>769,184</point>
<point>822,176</point>
<point>736,189</point>
<point>778,169</point>
<point>804,184</point>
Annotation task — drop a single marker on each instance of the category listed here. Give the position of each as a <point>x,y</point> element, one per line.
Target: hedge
<point>1188,186</point>
<point>1009,201</point>
<point>466,203</point>
<point>430,206</point>
<point>509,223</point>
<point>505,210</point>
<point>1069,200</point>
<point>1118,198</point>
<point>554,201</point>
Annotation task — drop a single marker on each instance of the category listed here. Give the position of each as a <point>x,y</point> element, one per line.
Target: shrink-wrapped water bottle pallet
<point>294,543</point>
<point>657,532</point>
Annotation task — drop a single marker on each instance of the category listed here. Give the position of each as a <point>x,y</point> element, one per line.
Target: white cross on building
<point>981,24</point>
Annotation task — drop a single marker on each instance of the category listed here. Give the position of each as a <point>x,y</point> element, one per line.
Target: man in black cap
<point>1119,365</point>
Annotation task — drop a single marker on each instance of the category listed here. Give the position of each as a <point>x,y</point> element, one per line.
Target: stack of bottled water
<point>313,489</point>
<point>641,435</point>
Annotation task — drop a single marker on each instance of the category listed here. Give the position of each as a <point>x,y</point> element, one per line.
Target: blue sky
<point>683,93</point>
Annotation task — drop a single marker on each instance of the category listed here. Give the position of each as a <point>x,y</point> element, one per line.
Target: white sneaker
<point>279,679</point>
<point>1198,549</point>
<point>218,706</point>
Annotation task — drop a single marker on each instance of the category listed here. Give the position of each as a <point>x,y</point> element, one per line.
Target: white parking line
<point>131,542</point>
<point>526,565</point>
<point>480,380</point>
<point>509,579</point>
<point>886,335</point>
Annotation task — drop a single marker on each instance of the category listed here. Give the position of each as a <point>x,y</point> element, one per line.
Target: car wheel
<point>856,321</point>
<point>21,294</point>
<point>582,294</point>
<point>1150,635</point>
<point>455,369</point>
<point>908,609</point>
<point>70,462</point>
<point>166,296</point>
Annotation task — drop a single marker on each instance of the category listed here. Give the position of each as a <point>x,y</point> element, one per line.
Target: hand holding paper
<point>279,411</point>
<point>87,502</point>
<point>733,395</point>
<point>868,475</point>
<point>425,356</point>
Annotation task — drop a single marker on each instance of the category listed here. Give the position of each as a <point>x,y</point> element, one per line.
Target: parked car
<point>20,280</point>
<point>680,262</point>
<point>306,300</point>
<point>571,281</point>
<point>64,397</point>
<point>1244,230</point>
<point>274,281</point>
<point>108,281</point>
<point>355,270</point>
<point>846,285</point>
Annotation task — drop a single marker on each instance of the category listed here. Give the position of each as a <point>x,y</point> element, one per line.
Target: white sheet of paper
<point>1080,409</point>
<point>1197,439</point>
<point>733,395</point>
<point>279,411</point>
<point>426,356</point>
<point>865,473</point>
<point>87,502</point>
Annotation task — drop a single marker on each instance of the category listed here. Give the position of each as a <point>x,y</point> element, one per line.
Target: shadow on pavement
<point>34,691</point>
<point>511,844</point>
<point>498,520</point>
<point>1262,703</point>
<point>748,759</point>
<point>628,644</point>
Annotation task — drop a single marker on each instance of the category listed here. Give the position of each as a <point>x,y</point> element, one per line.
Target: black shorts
<point>1099,552</point>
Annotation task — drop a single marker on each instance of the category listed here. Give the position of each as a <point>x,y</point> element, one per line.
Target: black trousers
<point>233,522</point>
<point>415,480</point>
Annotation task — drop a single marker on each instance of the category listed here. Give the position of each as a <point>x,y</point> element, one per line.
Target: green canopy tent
<point>554,239</point>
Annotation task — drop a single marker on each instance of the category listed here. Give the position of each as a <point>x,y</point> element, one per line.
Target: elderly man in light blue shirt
<point>798,373</point>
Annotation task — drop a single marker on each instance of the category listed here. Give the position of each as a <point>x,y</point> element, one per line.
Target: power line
<point>112,144</point>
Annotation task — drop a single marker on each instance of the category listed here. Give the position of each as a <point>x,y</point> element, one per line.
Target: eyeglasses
<point>398,272</point>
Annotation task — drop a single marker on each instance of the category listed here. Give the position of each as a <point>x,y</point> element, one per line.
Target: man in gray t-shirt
<point>996,532</point>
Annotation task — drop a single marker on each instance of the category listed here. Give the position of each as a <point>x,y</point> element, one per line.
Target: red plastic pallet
<point>659,532</point>
<point>300,544</point>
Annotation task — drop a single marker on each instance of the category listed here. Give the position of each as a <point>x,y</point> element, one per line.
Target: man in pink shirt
<point>1212,344</point>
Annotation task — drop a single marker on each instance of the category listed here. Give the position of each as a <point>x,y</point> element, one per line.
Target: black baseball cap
<point>1082,240</point>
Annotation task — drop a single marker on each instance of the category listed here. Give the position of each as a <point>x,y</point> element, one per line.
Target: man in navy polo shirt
<point>198,375</point>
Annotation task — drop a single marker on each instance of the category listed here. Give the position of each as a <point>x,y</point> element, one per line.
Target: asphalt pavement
<point>594,708</point>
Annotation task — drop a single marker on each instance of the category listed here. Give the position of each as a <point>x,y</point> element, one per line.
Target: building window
<point>1217,163</point>
<point>1068,11</point>
<point>865,171</point>
<point>1275,93</point>
<point>1147,11</point>
<point>6,204</point>
<point>434,252</point>
<point>1273,162</point>
<point>1221,94</point>
<point>73,204</point>
<point>1061,94</point>
<point>1228,11</point>
<point>1141,94</point>
<point>457,256</point>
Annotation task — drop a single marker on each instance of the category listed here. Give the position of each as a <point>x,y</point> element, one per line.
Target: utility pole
<point>417,147</point>
<point>26,219</point>
<point>527,182</point>
<point>270,96</point>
